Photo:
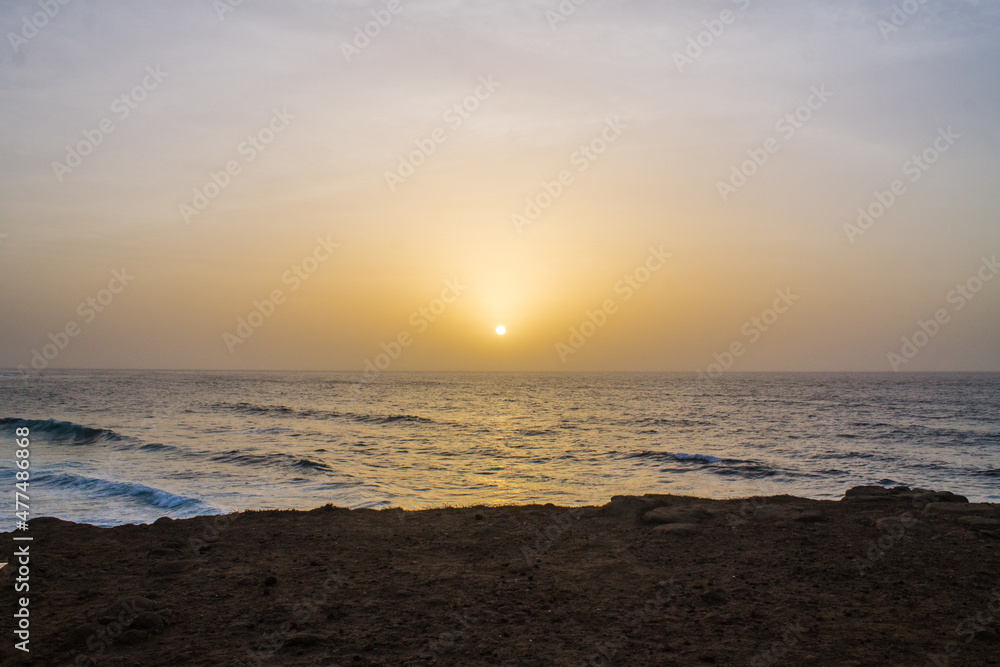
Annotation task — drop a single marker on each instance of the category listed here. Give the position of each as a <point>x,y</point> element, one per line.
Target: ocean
<point>115,447</point>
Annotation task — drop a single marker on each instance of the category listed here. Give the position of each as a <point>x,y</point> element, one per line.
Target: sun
<point>501,330</point>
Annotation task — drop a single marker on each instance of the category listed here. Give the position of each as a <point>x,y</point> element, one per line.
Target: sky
<point>624,186</point>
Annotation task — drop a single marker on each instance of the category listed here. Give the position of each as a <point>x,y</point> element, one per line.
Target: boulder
<point>924,496</point>
<point>866,491</point>
<point>627,507</point>
<point>630,507</point>
<point>903,494</point>
<point>886,500</point>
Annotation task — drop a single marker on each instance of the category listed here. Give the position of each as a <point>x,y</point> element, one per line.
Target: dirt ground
<point>879,578</point>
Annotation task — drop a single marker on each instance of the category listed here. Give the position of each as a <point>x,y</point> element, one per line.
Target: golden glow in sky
<point>622,189</point>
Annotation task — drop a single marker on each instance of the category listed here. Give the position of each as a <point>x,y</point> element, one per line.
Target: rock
<point>630,507</point>
<point>866,491</point>
<point>162,520</point>
<point>304,639</point>
<point>627,507</point>
<point>683,529</point>
<point>675,515</point>
<point>271,580</point>
<point>873,497</point>
<point>924,496</point>
<point>132,637</point>
<point>961,509</point>
<point>901,493</point>
<point>48,521</point>
<point>948,497</point>
<point>810,517</point>
<point>170,567</point>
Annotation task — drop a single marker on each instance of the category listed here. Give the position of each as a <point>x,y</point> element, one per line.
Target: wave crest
<point>106,488</point>
<point>61,431</point>
<point>266,460</point>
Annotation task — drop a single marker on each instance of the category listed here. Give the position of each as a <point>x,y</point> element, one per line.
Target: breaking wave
<point>60,431</point>
<point>106,488</point>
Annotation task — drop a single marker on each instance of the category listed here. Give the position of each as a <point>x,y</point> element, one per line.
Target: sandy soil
<point>878,578</point>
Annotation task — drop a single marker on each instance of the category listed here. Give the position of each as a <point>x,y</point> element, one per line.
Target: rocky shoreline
<point>882,577</point>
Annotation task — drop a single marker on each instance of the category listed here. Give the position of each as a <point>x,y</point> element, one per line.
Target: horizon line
<point>456,372</point>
